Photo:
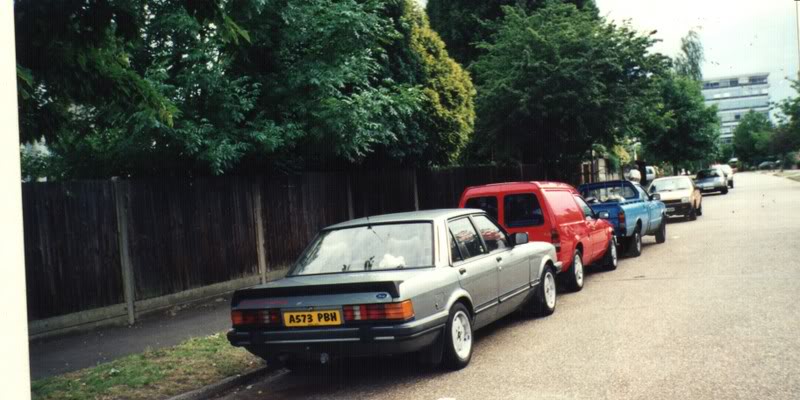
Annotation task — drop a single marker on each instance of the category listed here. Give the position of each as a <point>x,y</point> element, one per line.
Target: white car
<point>651,173</point>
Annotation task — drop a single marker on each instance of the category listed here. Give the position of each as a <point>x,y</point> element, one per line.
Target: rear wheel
<point>635,244</point>
<point>692,214</point>
<point>661,235</point>
<point>725,190</point>
<point>575,274</point>
<point>458,338</point>
<point>700,209</point>
<point>730,184</point>
<point>610,260</point>
<point>543,302</point>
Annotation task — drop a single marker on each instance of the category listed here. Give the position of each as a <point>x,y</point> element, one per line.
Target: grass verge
<point>154,374</point>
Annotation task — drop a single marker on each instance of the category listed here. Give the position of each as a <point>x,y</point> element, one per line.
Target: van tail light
<point>621,217</point>
<point>555,239</point>
<point>255,317</point>
<point>401,311</point>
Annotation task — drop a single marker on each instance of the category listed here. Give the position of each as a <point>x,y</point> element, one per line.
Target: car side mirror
<point>603,215</point>
<point>655,196</point>
<point>520,238</point>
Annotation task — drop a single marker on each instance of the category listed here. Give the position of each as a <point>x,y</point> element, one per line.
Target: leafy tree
<point>557,81</point>
<point>690,62</point>
<point>751,138</point>
<point>689,132</point>
<point>463,24</point>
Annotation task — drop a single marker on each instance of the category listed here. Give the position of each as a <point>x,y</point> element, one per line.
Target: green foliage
<point>751,137</point>
<point>689,129</point>
<point>689,63</point>
<point>463,24</point>
<point>556,81</point>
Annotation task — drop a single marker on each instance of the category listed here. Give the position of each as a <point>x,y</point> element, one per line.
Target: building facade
<point>734,97</point>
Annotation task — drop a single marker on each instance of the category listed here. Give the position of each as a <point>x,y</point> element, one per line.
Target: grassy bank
<point>154,374</point>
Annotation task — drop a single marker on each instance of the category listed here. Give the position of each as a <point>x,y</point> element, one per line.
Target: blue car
<point>628,207</point>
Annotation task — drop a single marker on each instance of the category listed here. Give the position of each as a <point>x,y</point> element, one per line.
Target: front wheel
<point>725,190</point>
<point>700,209</point>
<point>458,338</point>
<point>610,260</point>
<point>575,275</point>
<point>543,302</point>
<point>661,235</point>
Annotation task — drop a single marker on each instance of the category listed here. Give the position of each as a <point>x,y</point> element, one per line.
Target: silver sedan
<point>398,283</point>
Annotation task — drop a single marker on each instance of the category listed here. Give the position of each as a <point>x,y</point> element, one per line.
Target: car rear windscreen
<point>487,203</point>
<point>369,248</point>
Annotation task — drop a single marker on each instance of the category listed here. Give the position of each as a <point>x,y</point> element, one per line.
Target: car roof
<point>671,177</point>
<point>617,182</point>
<point>424,215</point>
<point>495,188</point>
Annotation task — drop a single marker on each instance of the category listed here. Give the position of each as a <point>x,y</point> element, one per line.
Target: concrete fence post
<point>416,190</point>
<point>350,210</point>
<point>128,283</point>
<point>262,257</point>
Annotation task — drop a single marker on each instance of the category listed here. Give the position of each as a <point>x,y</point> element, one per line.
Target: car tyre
<point>724,190</point>
<point>700,209</point>
<point>543,302</point>
<point>692,214</point>
<point>458,338</point>
<point>611,258</point>
<point>730,184</point>
<point>574,276</point>
<point>635,244</point>
<point>661,234</point>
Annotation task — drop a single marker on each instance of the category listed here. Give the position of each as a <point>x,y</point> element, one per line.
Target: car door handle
<point>499,258</point>
<point>462,270</point>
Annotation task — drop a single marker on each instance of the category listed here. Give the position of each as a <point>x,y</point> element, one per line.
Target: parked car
<point>768,165</point>
<point>651,173</point>
<point>632,212</point>
<point>398,283</point>
<point>633,175</point>
<point>554,213</point>
<point>728,171</point>
<point>712,180</point>
<point>680,196</point>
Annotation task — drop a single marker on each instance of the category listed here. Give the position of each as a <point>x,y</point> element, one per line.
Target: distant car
<point>634,175</point>
<point>398,283</point>
<point>651,173</point>
<point>680,196</point>
<point>627,206</point>
<point>728,173</point>
<point>767,165</point>
<point>552,212</point>
<point>712,180</point>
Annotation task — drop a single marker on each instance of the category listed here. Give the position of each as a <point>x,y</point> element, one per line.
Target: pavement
<point>164,329</point>
<point>711,314</point>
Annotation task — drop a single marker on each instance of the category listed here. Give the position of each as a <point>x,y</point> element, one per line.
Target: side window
<point>494,238</point>
<point>522,210</point>
<point>488,204</point>
<point>466,238</point>
<point>455,253</point>
<point>587,211</point>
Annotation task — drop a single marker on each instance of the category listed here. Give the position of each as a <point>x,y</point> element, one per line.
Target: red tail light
<point>555,239</point>
<point>621,217</point>
<point>401,311</point>
<point>255,317</point>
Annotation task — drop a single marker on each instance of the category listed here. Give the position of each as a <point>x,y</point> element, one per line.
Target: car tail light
<point>555,239</point>
<point>621,217</point>
<point>401,311</point>
<point>255,317</point>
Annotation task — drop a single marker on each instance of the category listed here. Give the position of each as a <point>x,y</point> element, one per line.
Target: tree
<point>689,63</point>
<point>554,82</point>
<point>463,24</point>
<point>751,137</point>
<point>689,130</point>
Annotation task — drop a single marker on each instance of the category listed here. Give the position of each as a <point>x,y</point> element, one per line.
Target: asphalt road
<point>711,314</point>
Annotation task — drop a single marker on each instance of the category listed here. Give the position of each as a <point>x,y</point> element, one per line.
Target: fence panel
<point>186,234</point>
<point>71,249</point>
<point>382,192</point>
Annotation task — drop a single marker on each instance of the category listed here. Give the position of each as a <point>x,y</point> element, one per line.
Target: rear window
<point>522,210</point>
<point>368,248</point>
<point>488,204</point>
<point>608,194</point>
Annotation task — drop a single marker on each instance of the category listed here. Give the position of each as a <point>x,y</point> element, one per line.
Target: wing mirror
<point>655,196</point>
<point>520,238</point>
<point>603,215</point>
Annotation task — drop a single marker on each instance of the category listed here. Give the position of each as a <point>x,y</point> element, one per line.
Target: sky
<point>739,36</point>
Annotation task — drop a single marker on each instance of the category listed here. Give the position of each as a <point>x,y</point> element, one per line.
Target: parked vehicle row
<point>423,282</point>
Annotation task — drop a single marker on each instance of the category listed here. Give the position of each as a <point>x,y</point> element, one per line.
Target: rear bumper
<point>341,341</point>
<point>716,188</point>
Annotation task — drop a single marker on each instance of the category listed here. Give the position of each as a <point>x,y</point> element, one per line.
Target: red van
<point>550,212</point>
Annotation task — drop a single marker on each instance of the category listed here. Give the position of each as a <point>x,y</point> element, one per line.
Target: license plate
<point>670,209</point>
<point>312,318</point>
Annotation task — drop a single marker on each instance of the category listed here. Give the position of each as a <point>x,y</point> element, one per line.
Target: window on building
<point>734,82</point>
<point>737,117</point>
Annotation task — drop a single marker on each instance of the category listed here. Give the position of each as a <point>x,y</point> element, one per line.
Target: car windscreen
<point>608,194</point>
<point>669,185</point>
<point>368,248</point>
<point>708,173</point>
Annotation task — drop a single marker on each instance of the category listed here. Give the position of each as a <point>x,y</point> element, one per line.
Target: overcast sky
<point>739,36</point>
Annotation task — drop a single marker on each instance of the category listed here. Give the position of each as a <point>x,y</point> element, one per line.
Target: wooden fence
<point>91,244</point>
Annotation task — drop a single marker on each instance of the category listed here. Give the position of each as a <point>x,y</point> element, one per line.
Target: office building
<point>734,97</point>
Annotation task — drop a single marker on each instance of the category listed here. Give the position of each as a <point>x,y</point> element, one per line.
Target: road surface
<point>711,314</point>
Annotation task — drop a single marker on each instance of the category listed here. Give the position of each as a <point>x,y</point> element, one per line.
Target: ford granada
<point>419,282</point>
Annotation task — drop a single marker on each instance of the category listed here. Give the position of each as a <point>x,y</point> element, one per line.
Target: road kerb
<point>226,384</point>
